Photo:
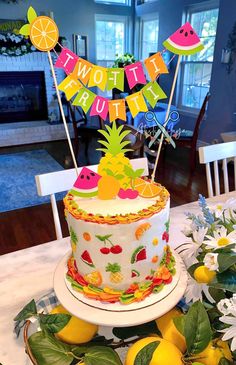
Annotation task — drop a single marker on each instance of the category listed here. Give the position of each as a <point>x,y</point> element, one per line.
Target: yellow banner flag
<point>70,87</point>
<point>98,77</point>
<point>155,66</point>
<point>82,70</point>
<point>136,103</point>
<point>117,109</point>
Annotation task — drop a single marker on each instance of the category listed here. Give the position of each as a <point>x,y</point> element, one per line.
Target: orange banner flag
<point>82,70</point>
<point>155,66</point>
<point>98,77</point>
<point>117,109</point>
<point>136,103</point>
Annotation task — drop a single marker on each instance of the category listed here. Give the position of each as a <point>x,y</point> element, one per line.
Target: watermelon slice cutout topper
<point>184,41</point>
<point>139,254</point>
<point>86,184</point>
<point>86,258</point>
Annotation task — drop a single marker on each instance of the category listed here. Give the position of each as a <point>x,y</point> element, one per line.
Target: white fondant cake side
<point>117,255</point>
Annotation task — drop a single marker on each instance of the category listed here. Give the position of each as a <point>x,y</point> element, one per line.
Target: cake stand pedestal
<point>151,308</point>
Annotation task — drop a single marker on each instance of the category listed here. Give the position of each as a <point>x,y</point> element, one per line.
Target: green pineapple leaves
<point>114,143</point>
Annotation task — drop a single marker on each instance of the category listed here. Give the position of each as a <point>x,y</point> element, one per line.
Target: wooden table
<point>28,274</point>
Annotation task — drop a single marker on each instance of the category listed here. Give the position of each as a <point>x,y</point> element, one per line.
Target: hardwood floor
<point>27,227</point>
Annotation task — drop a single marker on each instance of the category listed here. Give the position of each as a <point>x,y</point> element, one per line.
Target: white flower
<point>220,238</point>
<point>227,208</point>
<point>228,306</point>
<point>194,291</point>
<point>23,48</point>
<point>18,52</point>
<point>193,248</point>
<point>229,332</point>
<point>3,49</point>
<point>211,261</point>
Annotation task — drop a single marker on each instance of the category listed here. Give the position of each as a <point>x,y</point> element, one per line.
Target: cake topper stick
<point>166,117</point>
<point>44,35</point>
<point>183,42</point>
<point>63,114</point>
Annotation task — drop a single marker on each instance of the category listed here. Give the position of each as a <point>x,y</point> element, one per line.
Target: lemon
<point>203,275</point>
<point>165,354</point>
<point>214,352</point>
<point>168,330</point>
<point>77,330</point>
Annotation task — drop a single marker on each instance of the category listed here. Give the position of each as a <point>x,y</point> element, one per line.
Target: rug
<point>17,178</point>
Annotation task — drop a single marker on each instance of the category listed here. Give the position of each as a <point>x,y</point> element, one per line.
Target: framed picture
<point>80,45</point>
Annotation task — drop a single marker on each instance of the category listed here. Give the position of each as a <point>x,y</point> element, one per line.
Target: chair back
<point>215,153</point>
<point>200,118</point>
<point>59,181</point>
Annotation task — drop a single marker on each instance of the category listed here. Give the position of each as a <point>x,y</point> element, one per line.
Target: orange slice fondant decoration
<point>44,33</point>
<point>146,188</point>
<point>141,229</point>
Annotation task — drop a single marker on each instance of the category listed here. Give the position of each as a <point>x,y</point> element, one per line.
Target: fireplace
<point>22,96</point>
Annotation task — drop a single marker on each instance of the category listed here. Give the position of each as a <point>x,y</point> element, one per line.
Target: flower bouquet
<point>210,258</point>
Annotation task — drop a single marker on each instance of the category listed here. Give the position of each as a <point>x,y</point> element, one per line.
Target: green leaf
<point>197,329</point>
<point>226,249</point>
<point>225,280</point>
<point>28,311</point>
<point>217,294</point>
<point>180,323</point>
<point>31,14</point>
<point>54,322</point>
<point>141,330</point>
<point>109,172</point>
<point>224,361</point>
<point>25,29</point>
<point>144,356</point>
<point>226,260</point>
<point>129,171</point>
<point>101,355</point>
<point>138,172</point>
<point>47,350</point>
<point>119,177</point>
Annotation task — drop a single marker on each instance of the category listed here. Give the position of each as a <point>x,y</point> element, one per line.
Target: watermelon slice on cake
<point>86,184</point>
<point>184,41</point>
<point>86,258</point>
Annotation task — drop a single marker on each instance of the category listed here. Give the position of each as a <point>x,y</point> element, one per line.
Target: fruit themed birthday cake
<point>119,228</point>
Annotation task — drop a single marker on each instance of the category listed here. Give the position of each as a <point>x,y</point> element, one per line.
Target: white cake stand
<point>117,315</point>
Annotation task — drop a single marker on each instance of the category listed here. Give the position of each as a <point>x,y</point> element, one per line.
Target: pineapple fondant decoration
<point>115,273</point>
<point>114,161</point>
<point>73,239</point>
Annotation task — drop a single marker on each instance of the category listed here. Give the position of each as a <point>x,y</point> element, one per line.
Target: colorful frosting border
<point>73,208</point>
<point>137,292</point>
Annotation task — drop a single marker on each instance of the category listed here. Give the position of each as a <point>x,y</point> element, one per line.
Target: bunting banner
<point>136,103</point>
<point>115,79</point>
<point>135,74</point>
<point>117,109</point>
<point>82,70</point>
<point>67,60</point>
<point>153,92</point>
<point>70,87</point>
<point>85,99</point>
<point>155,66</point>
<point>98,77</point>
<point>100,107</point>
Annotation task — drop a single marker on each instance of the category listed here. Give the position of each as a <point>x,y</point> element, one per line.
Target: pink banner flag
<point>100,107</point>
<point>135,74</point>
<point>67,60</point>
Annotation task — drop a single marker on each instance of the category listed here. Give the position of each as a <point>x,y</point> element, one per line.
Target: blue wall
<point>78,16</point>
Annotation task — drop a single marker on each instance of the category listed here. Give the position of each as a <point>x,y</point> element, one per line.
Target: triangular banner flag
<point>117,109</point>
<point>115,78</point>
<point>70,87</point>
<point>98,77</point>
<point>82,70</point>
<point>136,103</point>
<point>66,60</point>
<point>155,66</point>
<point>84,98</point>
<point>153,92</point>
<point>135,74</point>
<point>100,107</point>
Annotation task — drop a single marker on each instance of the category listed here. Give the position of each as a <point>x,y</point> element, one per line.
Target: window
<point>196,69</point>
<point>111,38</point>
<point>115,2</point>
<point>149,36</point>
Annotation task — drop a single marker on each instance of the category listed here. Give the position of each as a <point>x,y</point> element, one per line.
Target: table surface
<point>28,274</point>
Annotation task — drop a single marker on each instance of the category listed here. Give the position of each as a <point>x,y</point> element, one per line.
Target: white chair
<point>56,182</point>
<point>215,153</point>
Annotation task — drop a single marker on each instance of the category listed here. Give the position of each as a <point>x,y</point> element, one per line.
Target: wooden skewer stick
<point>166,117</point>
<point>62,113</point>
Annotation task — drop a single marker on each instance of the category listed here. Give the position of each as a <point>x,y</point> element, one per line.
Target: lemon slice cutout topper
<point>44,33</point>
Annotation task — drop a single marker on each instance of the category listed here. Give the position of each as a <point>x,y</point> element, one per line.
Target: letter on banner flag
<point>66,60</point>
<point>117,109</point>
<point>98,77</point>
<point>115,78</point>
<point>82,70</point>
<point>100,107</point>
<point>153,92</point>
<point>155,66</point>
<point>135,74</point>
<point>84,98</point>
<point>69,86</point>
<point>136,103</point>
